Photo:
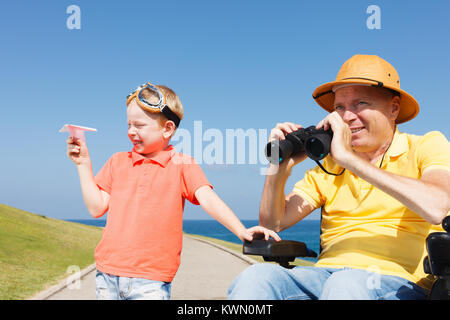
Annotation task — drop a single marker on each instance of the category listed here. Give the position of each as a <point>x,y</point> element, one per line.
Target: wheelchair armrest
<point>283,251</point>
<point>438,247</point>
<point>438,260</point>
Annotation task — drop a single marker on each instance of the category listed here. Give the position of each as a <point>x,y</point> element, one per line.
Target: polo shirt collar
<point>162,157</point>
<point>399,144</point>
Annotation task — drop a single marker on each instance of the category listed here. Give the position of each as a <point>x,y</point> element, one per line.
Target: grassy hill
<point>36,251</point>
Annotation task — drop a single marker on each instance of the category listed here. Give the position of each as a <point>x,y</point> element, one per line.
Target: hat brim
<point>324,97</point>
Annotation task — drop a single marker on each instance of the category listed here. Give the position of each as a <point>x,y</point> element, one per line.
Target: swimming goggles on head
<point>148,105</point>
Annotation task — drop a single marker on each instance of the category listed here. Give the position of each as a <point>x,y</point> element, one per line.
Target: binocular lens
<point>315,147</point>
<point>277,151</point>
<point>318,147</point>
<point>316,143</point>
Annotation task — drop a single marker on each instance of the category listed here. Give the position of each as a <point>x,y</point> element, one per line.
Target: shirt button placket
<point>144,181</point>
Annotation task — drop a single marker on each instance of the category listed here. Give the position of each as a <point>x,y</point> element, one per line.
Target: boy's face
<point>144,130</point>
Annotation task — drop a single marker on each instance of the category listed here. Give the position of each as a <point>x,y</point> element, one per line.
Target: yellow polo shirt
<point>364,227</point>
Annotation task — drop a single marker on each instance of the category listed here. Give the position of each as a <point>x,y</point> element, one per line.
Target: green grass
<point>36,251</point>
<point>238,248</point>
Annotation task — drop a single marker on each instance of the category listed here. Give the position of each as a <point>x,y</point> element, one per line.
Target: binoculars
<point>316,143</point>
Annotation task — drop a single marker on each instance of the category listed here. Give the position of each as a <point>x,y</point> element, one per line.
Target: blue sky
<point>235,64</point>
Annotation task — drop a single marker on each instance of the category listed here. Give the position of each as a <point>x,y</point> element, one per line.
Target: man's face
<point>370,114</point>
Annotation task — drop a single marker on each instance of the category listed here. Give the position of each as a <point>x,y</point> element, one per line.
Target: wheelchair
<point>437,263</point>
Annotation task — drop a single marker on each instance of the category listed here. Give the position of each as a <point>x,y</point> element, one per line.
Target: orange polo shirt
<point>143,233</point>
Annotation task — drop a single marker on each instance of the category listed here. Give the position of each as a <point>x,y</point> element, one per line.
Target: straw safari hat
<point>369,70</point>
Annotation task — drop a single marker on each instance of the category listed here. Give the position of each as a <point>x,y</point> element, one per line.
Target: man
<point>377,213</point>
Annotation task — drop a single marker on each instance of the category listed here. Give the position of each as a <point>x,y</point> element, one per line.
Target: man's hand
<point>341,145</point>
<point>427,196</point>
<point>279,133</point>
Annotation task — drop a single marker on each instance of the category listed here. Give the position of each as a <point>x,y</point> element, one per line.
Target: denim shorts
<point>272,282</point>
<point>111,287</point>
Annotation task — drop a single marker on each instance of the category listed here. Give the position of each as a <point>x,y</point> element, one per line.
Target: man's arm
<point>428,196</point>
<point>278,211</point>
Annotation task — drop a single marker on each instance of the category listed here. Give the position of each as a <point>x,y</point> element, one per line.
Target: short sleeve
<point>433,152</point>
<point>309,188</point>
<point>104,177</point>
<point>192,179</point>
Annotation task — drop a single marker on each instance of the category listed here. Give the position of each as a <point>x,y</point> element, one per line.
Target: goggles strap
<point>170,115</point>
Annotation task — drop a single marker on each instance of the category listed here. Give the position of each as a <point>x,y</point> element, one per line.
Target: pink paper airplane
<point>76,131</point>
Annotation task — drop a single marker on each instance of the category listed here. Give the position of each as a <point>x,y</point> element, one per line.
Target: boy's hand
<point>77,151</point>
<point>248,233</point>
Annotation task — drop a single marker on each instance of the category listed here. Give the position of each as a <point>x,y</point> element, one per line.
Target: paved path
<point>205,273</point>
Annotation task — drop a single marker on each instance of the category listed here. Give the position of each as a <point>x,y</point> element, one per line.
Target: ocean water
<point>306,231</point>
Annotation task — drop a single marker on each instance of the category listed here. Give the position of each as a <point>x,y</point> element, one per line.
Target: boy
<point>144,192</point>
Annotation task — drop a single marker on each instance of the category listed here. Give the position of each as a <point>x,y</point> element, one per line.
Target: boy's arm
<point>218,209</point>
<point>96,200</point>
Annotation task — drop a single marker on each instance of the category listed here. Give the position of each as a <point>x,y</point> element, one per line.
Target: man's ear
<point>395,107</point>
